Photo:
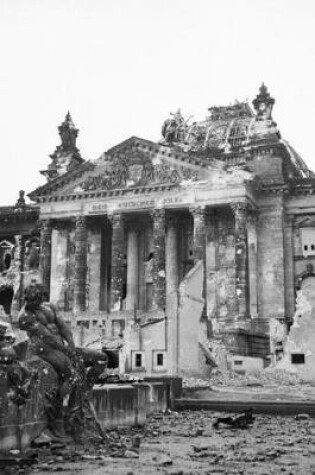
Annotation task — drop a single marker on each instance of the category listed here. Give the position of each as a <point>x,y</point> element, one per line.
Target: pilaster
<point>289,296</point>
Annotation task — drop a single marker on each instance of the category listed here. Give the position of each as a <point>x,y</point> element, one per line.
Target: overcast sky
<point>121,66</point>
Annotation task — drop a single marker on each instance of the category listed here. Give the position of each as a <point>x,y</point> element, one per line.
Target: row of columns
<point>161,265</point>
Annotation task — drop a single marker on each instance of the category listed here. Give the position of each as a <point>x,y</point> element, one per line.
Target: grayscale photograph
<point>157,237</point>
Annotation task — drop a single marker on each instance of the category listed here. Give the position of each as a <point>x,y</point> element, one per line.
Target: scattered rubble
<point>270,377</point>
<point>185,443</point>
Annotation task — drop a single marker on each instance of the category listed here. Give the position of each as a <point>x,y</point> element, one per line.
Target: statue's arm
<point>65,331</point>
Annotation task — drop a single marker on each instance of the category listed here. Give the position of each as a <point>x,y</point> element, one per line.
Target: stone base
<point>115,405</point>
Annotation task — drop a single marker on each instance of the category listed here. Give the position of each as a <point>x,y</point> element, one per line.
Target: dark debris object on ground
<point>241,421</point>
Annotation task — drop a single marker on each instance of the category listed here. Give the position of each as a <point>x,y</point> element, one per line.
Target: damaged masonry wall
<point>299,345</point>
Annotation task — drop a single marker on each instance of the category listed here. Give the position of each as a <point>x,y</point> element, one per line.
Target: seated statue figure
<point>51,340</point>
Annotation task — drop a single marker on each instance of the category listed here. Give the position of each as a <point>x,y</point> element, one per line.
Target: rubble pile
<point>269,378</point>
<point>185,443</point>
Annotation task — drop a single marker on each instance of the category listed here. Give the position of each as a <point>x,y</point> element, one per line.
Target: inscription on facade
<point>172,200</point>
<point>137,204</point>
<point>98,208</point>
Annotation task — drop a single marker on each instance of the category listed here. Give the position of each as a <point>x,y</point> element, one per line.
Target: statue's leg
<point>63,366</point>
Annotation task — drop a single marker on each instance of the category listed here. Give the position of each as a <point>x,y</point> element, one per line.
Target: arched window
<point>6,255</point>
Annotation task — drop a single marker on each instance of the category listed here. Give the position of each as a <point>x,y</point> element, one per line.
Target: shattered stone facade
<point>123,238</point>
<point>19,255</point>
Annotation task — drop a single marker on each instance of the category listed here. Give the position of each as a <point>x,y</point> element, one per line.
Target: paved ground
<point>185,443</point>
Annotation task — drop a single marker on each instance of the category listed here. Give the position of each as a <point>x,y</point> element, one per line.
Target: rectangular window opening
<point>159,359</point>
<point>138,360</point>
<point>298,358</point>
<point>305,247</point>
<point>238,363</point>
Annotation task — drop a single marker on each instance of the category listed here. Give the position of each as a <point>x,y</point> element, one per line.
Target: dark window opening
<point>238,363</point>
<point>159,359</point>
<point>312,247</point>
<point>298,358</point>
<point>7,261</point>
<point>138,361</point>
<point>305,247</point>
<point>83,323</point>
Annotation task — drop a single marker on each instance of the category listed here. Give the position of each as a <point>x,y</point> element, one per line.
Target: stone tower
<point>67,155</point>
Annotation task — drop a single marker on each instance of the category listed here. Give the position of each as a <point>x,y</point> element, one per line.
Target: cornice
<point>61,181</point>
<point>108,193</point>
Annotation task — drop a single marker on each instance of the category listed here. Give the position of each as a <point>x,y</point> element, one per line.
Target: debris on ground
<point>270,377</point>
<point>241,421</point>
<point>169,445</point>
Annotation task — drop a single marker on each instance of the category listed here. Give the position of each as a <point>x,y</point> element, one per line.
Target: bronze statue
<point>174,129</point>
<point>51,340</point>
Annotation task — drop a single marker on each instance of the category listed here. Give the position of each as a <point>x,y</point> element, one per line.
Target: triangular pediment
<point>139,164</point>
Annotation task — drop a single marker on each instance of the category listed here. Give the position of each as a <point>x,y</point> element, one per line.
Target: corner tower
<point>67,155</point>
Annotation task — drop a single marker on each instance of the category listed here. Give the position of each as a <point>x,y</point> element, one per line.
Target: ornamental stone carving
<point>138,173</point>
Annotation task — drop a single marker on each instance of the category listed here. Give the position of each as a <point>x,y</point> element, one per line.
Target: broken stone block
<point>130,454</point>
<point>302,417</point>
<point>165,461</point>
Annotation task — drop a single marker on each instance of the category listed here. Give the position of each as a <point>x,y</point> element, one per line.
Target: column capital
<point>80,220</point>
<point>158,213</point>
<point>240,208</point>
<point>44,224</point>
<point>198,210</point>
<point>115,218</point>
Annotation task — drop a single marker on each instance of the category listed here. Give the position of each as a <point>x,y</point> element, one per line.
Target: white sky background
<point>121,66</point>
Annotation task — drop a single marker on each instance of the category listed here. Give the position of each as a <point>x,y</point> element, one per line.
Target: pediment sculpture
<point>140,172</point>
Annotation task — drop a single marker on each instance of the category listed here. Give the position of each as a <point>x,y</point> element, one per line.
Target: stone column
<point>132,270</point>
<point>210,273</point>
<point>142,303</point>
<point>240,211</point>
<point>172,282</point>
<point>17,297</point>
<point>252,264</point>
<point>158,288</point>
<point>45,254</point>
<point>171,257</point>
<point>118,261</point>
<point>199,216</point>
<point>80,264</point>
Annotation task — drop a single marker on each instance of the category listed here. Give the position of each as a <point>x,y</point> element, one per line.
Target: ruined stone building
<point>197,242</point>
